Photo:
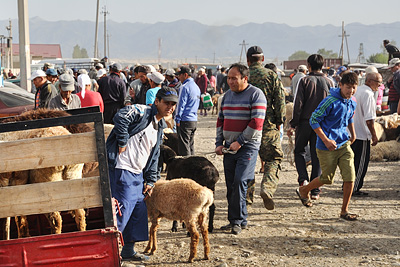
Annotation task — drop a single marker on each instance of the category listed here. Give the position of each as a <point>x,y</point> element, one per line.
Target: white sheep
<point>389,150</point>
<point>184,200</point>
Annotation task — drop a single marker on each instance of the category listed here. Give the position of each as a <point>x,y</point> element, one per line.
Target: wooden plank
<point>48,197</point>
<point>45,152</point>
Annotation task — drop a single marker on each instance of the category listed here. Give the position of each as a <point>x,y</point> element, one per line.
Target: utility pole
<point>243,44</point>
<point>159,51</point>
<point>344,39</point>
<point>24,44</point>
<point>96,30</point>
<point>9,29</point>
<point>105,12</point>
<point>361,57</point>
<point>108,44</point>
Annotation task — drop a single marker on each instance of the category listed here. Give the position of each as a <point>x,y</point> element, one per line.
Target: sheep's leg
<point>211,218</point>
<point>22,226</point>
<point>80,219</point>
<point>204,233</point>
<point>5,222</point>
<point>194,239</point>
<point>55,221</point>
<point>174,226</point>
<point>152,244</point>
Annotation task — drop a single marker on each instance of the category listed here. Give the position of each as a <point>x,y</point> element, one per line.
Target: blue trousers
<point>239,170</point>
<point>127,188</point>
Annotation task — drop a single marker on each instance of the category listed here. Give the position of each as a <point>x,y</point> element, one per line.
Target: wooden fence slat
<point>51,196</point>
<point>47,152</point>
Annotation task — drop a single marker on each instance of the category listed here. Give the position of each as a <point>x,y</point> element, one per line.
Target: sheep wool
<point>166,201</point>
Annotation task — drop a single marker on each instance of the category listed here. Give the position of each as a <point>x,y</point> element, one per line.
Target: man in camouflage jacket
<point>271,150</point>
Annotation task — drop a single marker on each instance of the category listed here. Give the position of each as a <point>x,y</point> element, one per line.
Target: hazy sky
<point>214,12</point>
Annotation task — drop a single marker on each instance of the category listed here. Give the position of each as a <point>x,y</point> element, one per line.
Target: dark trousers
<point>110,109</point>
<point>306,135</point>
<point>239,170</point>
<point>361,149</point>
<point>393,106</point>
<point>186,132</point>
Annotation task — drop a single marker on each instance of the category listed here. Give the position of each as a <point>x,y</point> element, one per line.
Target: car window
<point>12,100</point>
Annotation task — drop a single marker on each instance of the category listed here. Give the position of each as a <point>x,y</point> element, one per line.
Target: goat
<point>197,168</point>
<point>171,140</point>
<point>214,100</point>
<point>166,201</point>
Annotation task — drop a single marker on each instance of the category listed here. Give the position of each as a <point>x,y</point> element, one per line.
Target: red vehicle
<point>14,100</point>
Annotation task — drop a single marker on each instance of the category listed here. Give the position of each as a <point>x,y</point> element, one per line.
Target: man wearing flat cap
<point>45,90</point>
<point>133,149</point>
<point>65,99</point>
<point>113,91</point>
<point>270,150</point>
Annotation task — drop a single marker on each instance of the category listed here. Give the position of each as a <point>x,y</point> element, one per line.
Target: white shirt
<point>138,150</point>
<point>365,110</point>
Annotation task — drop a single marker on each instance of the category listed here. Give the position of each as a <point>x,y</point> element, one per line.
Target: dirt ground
<point>293,235</point>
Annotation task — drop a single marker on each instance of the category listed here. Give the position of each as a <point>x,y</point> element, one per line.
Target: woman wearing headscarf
<point>88,98</point>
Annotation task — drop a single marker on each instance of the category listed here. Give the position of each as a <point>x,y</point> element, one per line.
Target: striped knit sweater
<point>241,117</point>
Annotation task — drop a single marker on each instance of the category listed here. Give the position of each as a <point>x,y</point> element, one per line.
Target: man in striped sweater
<point>239,129</point>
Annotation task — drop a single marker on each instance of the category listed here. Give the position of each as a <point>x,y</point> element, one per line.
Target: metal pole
<point>11,46</point>
<point>24,44</point>
<point>97,29</point>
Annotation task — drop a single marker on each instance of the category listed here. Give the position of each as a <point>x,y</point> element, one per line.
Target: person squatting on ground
<point>239,128</point>
<point>311,89</point>
<point>331,118</point>
<point>270,150</point>
<point>364,119</point>
<point>133,148</point>
<point>186,111</point>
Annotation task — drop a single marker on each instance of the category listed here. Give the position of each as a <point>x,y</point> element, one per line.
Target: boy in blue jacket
<point>329,121</point>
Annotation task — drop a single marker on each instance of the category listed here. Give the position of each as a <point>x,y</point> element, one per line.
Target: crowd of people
<point>333,122</point>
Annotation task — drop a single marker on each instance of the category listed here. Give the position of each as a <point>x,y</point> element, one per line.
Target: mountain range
<point>191,41</point>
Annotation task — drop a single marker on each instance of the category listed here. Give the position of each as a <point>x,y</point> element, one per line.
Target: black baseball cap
<point>255,51</point>
<point>168,94</point>
<point>184,69</point>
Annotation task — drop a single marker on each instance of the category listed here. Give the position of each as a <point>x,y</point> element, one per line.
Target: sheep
<point>56,173</point>
<point>171,140</point>
<point>214,100</point>
<point>390,125</point>
<point>197,168</point>
<point>389,150</point>
<point>166,201</point>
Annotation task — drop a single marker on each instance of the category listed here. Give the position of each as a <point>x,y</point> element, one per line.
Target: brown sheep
<point>389,150</point>
<point>165,201</point>
<point>56,173</point>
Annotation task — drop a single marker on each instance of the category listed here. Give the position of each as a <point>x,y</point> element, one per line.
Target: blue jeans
<point>239,170</point>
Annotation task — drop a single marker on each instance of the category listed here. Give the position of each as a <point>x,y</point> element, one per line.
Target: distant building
<point>38,52</point>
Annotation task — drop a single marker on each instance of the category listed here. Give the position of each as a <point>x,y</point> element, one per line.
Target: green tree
<point>298,55</point>
<point>378,58</point>
<point>77,52</point>
<point>327,53</point>
<point>84,53</point>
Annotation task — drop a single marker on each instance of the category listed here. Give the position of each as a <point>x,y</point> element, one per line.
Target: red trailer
<point>99,245</point>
